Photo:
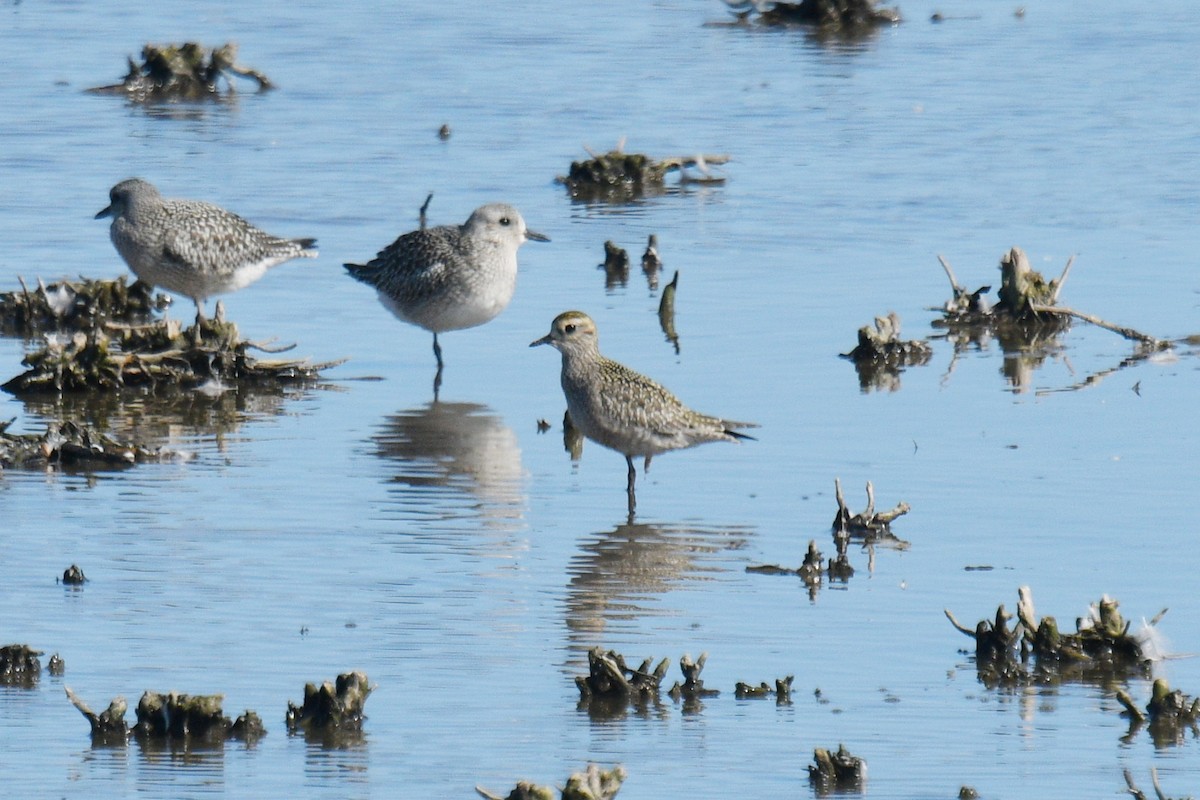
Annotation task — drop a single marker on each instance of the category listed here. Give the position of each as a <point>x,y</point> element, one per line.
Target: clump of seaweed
<point>838,771</point>
<point>182,72</point>
<point>1036,651</point>
<point>868,523</point>
<point>1170,714</point>
<point>881,354</point>
<point>616,265</point>
<point>692,689</point>
<point>620,177</point>
<point>1027,305</point>
<point>652,262</point>
<point>609,677</point>
<point>782,691</point>
<point>591,784</point>
<point>1027,321</point>
<point>830,16</point>
<point>869,526</point>
<point>170,717</point>
<point>73,576</point>
<point>153,355</point>
<point>19,665</point>
<point>331,707</point>
<point>84,304</point>
<point>71,445</point>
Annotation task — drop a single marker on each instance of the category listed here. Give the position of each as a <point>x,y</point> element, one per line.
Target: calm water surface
<point>460,558</point>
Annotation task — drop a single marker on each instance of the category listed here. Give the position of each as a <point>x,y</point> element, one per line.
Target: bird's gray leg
<point>629,487</point>
<point>646,464</point>
<point>437,351</point>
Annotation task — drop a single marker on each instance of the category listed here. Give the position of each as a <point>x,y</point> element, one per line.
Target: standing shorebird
<point>452,276</point>
<point>621,409</point>
<point>191,247</point>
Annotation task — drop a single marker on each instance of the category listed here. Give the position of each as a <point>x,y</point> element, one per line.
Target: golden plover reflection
<point>621,409</point>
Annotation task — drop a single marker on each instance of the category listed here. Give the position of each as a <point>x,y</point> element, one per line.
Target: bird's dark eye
<point>569,328</point>
<point>505,221</point>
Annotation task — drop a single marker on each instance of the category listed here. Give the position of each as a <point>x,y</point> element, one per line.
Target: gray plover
<point>450,277</point>
<point>621,409</point>
<point>190,247</point>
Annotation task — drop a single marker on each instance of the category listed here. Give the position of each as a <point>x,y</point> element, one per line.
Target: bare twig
<point>954,284</point>
<point>1128,333</point>
<point>963,628</point>
<point>1058,284</point>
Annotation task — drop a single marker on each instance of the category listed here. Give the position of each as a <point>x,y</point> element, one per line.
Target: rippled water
<point>460,558</point>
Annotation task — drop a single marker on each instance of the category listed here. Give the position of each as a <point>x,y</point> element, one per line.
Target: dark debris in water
<point>20,665</point>
<point>186,71</point>
<point>1036,651</point>
<point>591,784</point>
<point>881,355</point>
<point>838,771</point>
<point>155,355</point>
<point>868,527</point>
<point>869,522</point>
<point>80,305</point>
<point>846,17</point>
<point>1169,715</point>
<point>72,445</point>
<point>331,708</point>
<point>620,177</point>
<point>1027,306</point>
<point>73,576</point>
<point>610,677</point>
<point>692,688</point>
<point>172,717</point>
<point>782,691</point>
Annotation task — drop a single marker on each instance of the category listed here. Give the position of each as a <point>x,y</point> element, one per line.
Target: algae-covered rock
<point>829,16</point>
<point>331,706</point>
<point>620,177</point>
<point>186,71</point>
<point>19,665</point>
<point>156,355</point>
<point>78,305</point>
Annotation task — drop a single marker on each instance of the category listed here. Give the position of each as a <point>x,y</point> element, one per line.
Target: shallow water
<point>459,557</point>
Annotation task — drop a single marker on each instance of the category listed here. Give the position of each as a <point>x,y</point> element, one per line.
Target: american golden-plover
<point>621,409</point>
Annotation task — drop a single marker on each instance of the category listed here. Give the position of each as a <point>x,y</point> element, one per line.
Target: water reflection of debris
<point>169,417</point>
<point>618,575</point>
<point>456,449</point>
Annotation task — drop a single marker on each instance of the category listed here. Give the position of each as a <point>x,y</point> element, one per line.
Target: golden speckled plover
<point>621,409</point>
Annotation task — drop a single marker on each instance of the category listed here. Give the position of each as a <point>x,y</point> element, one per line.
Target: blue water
<point>459,557</point>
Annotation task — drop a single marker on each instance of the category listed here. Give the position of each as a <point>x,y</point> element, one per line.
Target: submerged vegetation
<point>104,335</point>
<point>84,304</point>
<point>591,784</point>
<point>1036,651</point>
<point>182,72</point>
<point>842,17</point>
<point>620,177</point>
<point>173,717</point>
